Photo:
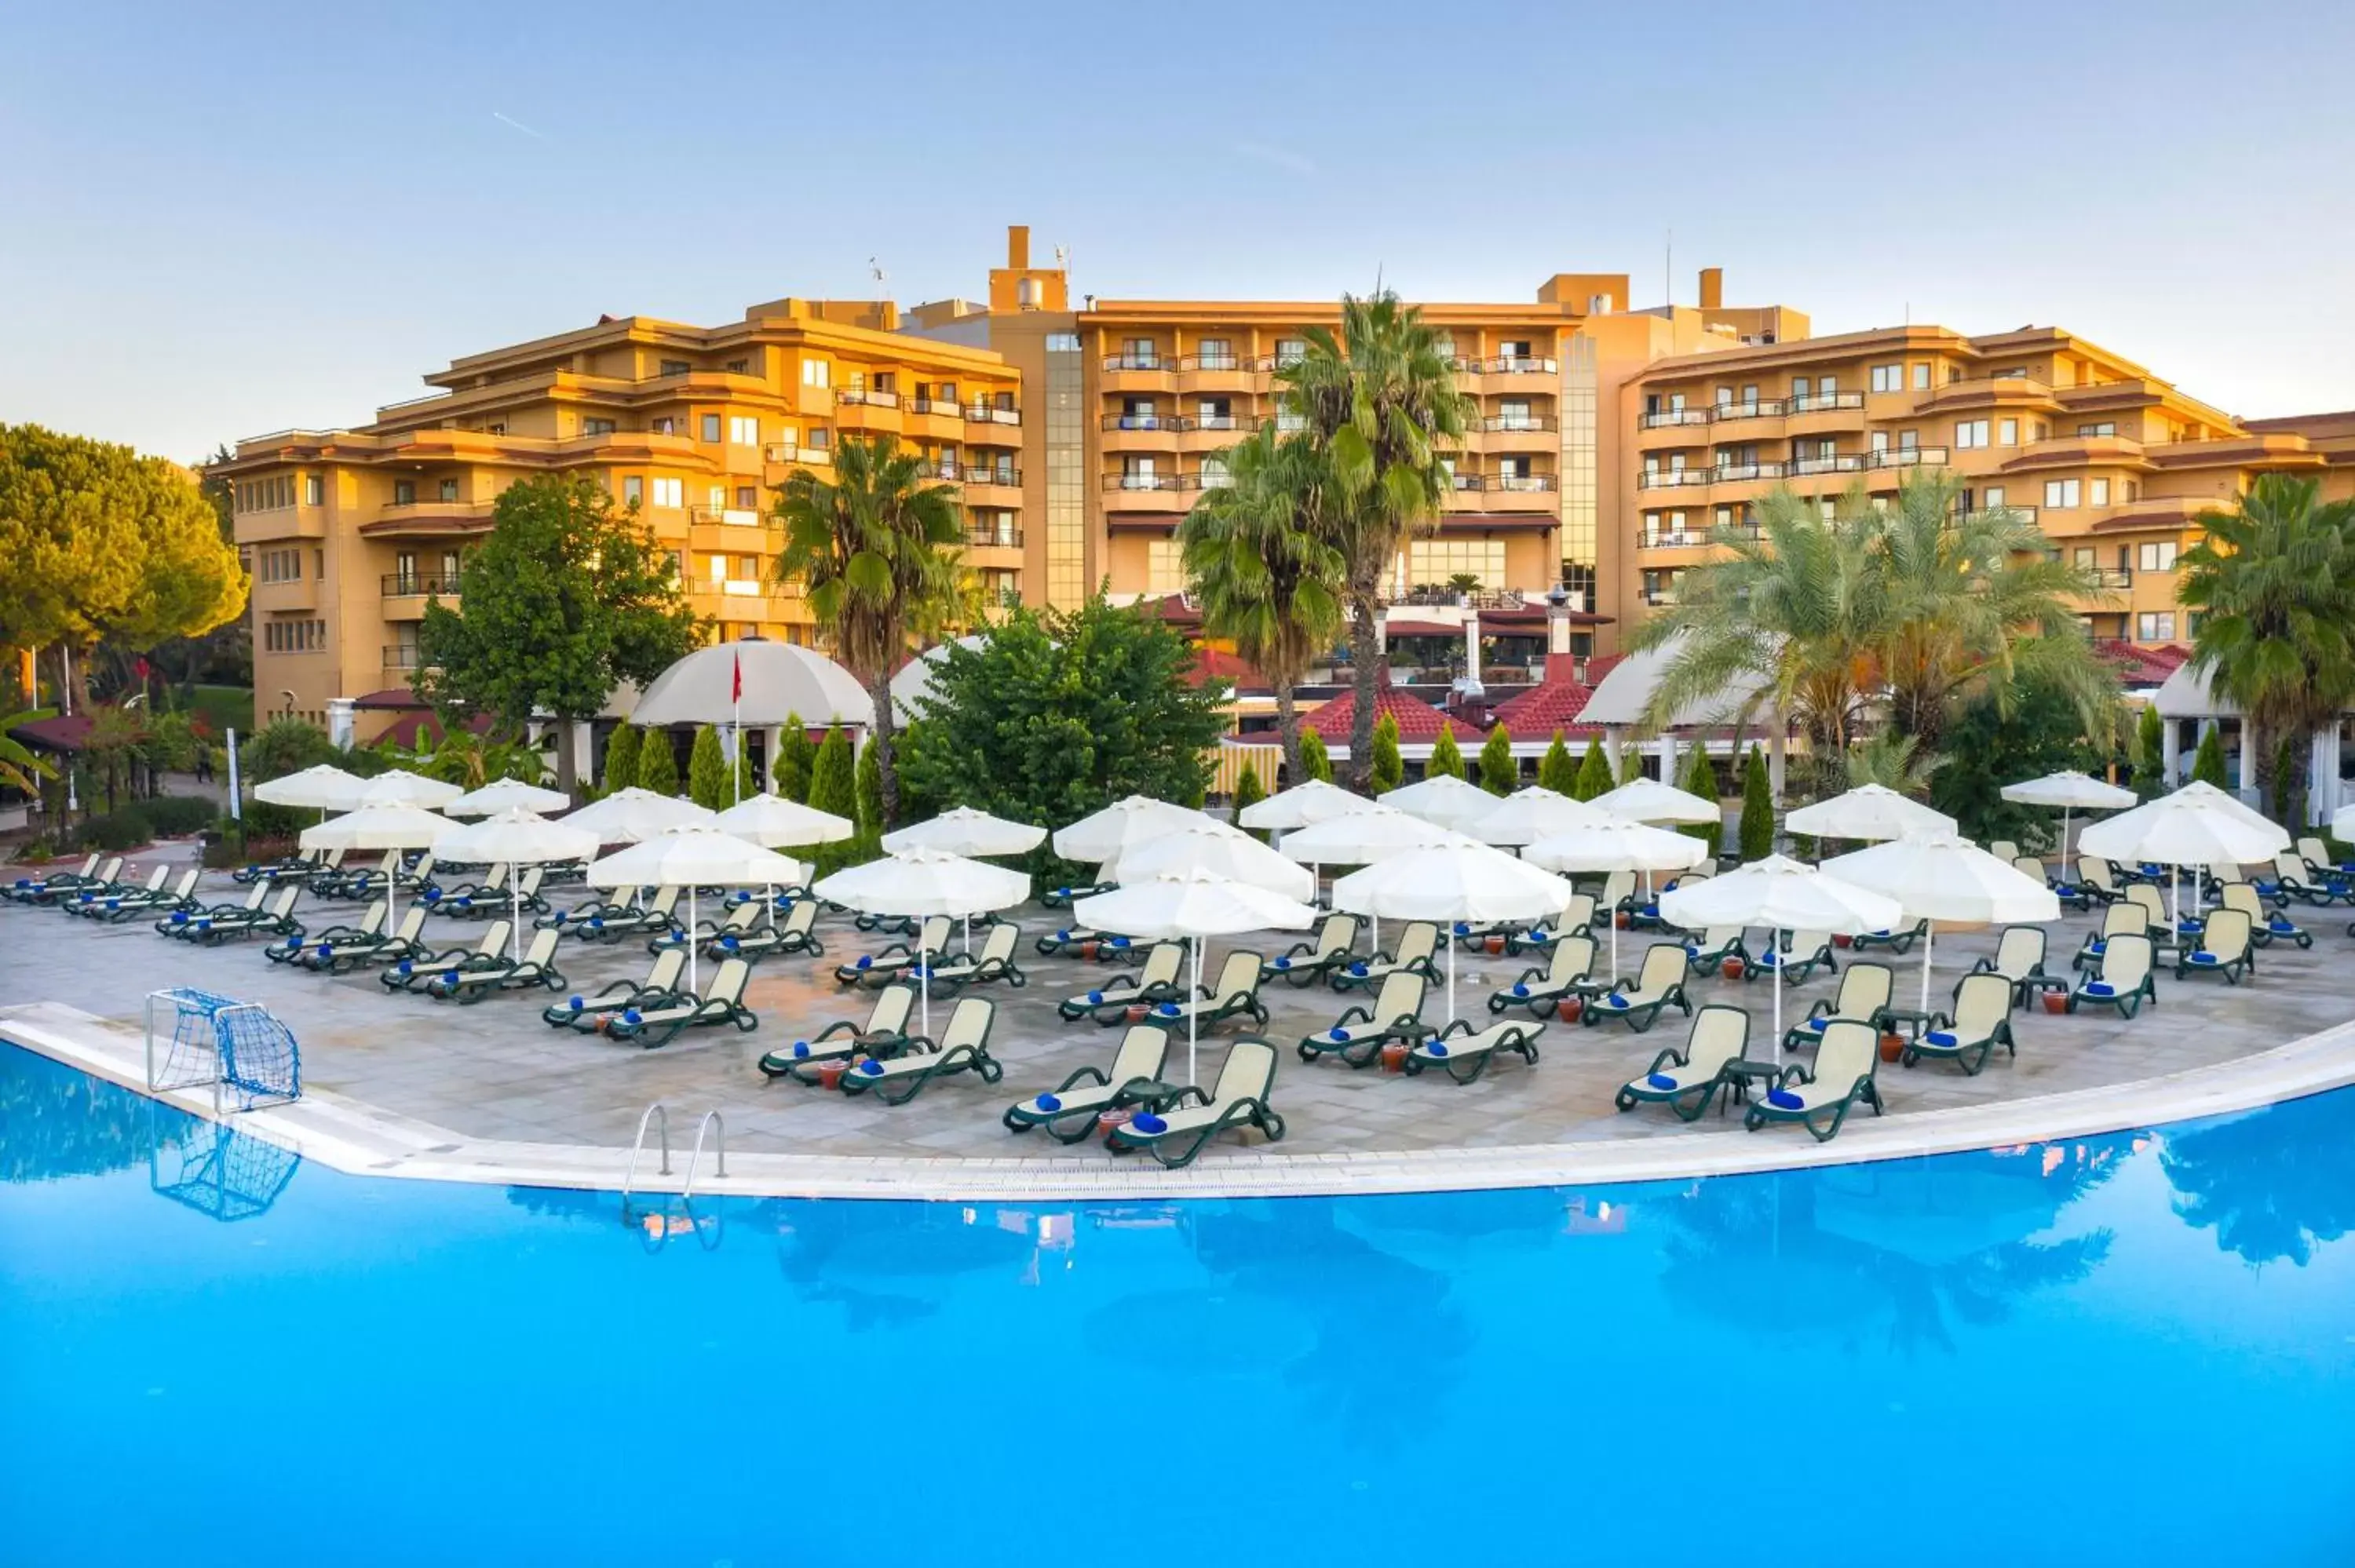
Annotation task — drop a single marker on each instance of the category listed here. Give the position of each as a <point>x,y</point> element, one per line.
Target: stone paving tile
<point>495,1070</point>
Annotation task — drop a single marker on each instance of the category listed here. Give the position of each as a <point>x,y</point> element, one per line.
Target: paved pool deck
<point>403,1085</point>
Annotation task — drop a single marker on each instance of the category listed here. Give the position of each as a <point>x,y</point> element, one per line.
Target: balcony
<point>1745,472</point>
<point>863,410</point>
<point>1666,419</point>
<point>860,398</point>
<point>1142,422</point>
<point>2113,577</point>
<point>396,518</point>
<point>418,585</point>
<point>994,538</point>
<point>1673,478</point>
<point>733,516</point>
<point>1748,409</point>
<point>1518,483</point>
<point>980,473</point>
<point>1520,364</point>
<point>1690,538</point>
<point>785,454</point>
<point>989,414</point>
<point>1115,361</point>
<point>1496,423</point>
<point>1905,457</point>
<point>945,409</point>
<point>1823,402</point>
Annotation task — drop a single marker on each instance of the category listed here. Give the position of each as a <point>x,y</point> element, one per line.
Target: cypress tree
<point>1316,762</point>
<point>1389,769</point>
<point>2208,762</point>
<point>833,788</point>
<point>1498,770</point>
<point>1250,791</point>
<point>707,771</point>
<point>1701,779</point>
<point>794,755</point>
<point>622,748</point>
<point>1446,757</point>
<point>1757,809</point>
<point>2150,753</point>
<point>1556,770</point>
<point>1594,773</point>
<point>658,764</point>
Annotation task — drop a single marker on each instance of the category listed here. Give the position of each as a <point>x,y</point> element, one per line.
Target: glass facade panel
<point>1067,497</point>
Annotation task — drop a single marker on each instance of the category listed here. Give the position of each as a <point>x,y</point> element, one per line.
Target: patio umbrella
<point>1191,904</point>
<point>1868,812</point>
<point>1363,838</point>
<point>964,831</point>
<point>2198,826</point>
<point>1103,835</point>
<point>379,828</point>
<point>692,854</point>
<point>2069,791</point>
<point>514,838</point>
<point>1525,816</point>
<point>627,816</point>
<point>920,883</point>
<point>398,786</point>
<point>1649,800</point>
<point>1616,845</point>
<point>320,786</point>
<point>1443,799</point>
<point>774,822</point>
<point>508,795</point>
<point>1945,877</point>
<point>755,683</point>
<point>1302,806</point>
<point>1215,849</point>
<point>1450,883</point>
<point>1782,894</point>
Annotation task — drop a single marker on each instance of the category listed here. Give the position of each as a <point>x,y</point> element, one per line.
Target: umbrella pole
<point>515,914</point>
<point>2065,842</point>
<point>1929,940</point>
<point>1193,1015</point>
<point>924,978</point>
<point>1775,945</point>
<point>692,966</point>
<point>1451,982</point>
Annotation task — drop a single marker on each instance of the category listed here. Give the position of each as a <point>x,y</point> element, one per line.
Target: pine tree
<point>1701,779</point>
<point>1446,757</point>
<point>1556,770</point>
<point>1499,771</point>
<point>1250,791</point>
<point>707,771</point>
<point>834,788</point>
<point>1316,762</point>
<point>1594,773</point>
<point>2208,762</point>
<point>1757,810</point>
<point>658,764</point>
<point>622,751</point>
<point>794,755</point>
<point>1389,769</point>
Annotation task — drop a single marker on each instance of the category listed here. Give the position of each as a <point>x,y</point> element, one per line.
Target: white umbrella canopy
<point>1526,816</point>
<point>2198,826</point>
<point>1614,843</point>
<point>2072,792</point>
<point>398,786</point>
<point>776,822</point>
<point>514,837</point>
<point>692,854</point>
<point>1870,812</point>
<point>1364,837</point>
<point>781,681</point>
<point>923,882</point>
<point>961,829</point>
<point>507,795</point>
<point>380,828</point>
<point>1649,800</point>
<point>1303,806</point>
<point>1104,835</point>
<point>627,816</point>
<point>1784,895</point>
<point>1946,877</point>
<point>1473,883</point>
<point>1443,799</point>
<point>1213,849</point>
<point>2342,822</point>
<point>322,786</point>
<point>1191,903</point>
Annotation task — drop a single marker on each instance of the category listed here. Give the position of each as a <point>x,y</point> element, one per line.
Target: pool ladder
<point>657,1116</point>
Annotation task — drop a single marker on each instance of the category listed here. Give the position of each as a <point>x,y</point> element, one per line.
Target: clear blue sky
<point>220,223</point>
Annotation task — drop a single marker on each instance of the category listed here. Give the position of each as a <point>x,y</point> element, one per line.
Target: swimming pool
<point>2141,1344</point>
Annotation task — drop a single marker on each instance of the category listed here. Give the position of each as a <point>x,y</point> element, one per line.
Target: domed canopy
<point>779,681</point>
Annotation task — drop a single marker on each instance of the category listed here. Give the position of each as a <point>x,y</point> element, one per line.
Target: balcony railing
<point>994,538</point>
<point>989,414</point>
<point>1522,483</point>
<point>1142,422</point>
<point>1673,478</point>
<point>733,516</point>
<point>1208,478</point>
<point>976,473</point>
<point>786,451</point>
<point>1740,473</point>
<point>1663,417</point>
<point>1207,422</point>
<point>1905,457</point>
<point>872,399</point>
<point>1747,408</point>
<point>1839,462</point>
<point>1135,362</point>
<point>1689,539</point>
<point>1212,362</point>
<point>1823,402</point>
<point>1465,480</point>
<point>1517,422</point>
<point>1522,365</point>
<point>2114,576</point>
<point>418,585</point>
<point>1140,481</point>
<point>946,408</point>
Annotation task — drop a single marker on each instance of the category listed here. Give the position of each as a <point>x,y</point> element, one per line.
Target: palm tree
<point>20,767</point>
<point>2270,589</point>
<point>1265,576</point>
<point>877,550</point>
<point>1381,407</point>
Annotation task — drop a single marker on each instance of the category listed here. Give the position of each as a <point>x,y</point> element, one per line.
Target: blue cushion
<point>729,943</point>
<point>1357,969</point>
<point>404,967</point>
<point>1651,910</point>
<point>450,977</point>
<point>1063,936</point>
<point>1062,893</point>
<point>1168,1010</point>
<point>2095,946</point>
<point>865,962</point>
<point>871,1067</point>
<point>179,917</point>
<point>1120,941</point>
<point>574,1002</point>
<point>1814,1025</point>
<point>432,895</point>
<point>1094,997</point>
<point>1939,1037</point>
<point>1146,1121</point>
<point>1659,1080</point>
<point>1520,989</point>
<point>1283,963</point>
<point>326,949</point>
<point>1336,1032</point>
<point>801,1047</point>
<point>1436,1049</point>
<point>2099,988</point>
<point>1049,1103</point>
<point>2065,889</point>
<point>1784,1099</point>
<point>596,922</point>
<point>1616,1000</point>
<point>2205,958</point>
<point>631,1015</point>
<point>1463,929</point>
<point>2281,922</point>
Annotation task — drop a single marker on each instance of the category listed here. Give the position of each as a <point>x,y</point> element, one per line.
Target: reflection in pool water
<point>1999,1351</point>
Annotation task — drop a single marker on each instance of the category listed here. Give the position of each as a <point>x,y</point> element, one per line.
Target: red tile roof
<point>2143,666</point>
<point>1552,704</point>
<point>1213,665</point>
<point>59,732</point>
<point>1418,723</point>
<point>1424,629</point>
<point>397,698</point>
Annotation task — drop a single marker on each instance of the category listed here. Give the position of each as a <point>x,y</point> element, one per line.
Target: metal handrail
<point>661,1118</point>
<point>710,1119</point>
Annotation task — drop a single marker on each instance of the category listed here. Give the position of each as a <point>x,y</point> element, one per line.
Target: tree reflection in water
<point>2275,1183</point>
<point>881,1262</point>
<point>57,1122</point>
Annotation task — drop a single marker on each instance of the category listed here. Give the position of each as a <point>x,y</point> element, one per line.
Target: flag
<point>736,691</point>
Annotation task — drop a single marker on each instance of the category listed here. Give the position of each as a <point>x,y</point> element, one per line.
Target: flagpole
<point>736,731</point>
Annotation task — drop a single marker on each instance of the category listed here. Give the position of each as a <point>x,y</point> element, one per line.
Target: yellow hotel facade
<point>1607,442</point>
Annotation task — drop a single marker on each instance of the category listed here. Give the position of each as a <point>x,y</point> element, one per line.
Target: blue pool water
<point>2133,1347</point>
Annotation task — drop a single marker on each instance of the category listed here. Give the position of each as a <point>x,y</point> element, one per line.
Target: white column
<point>1611,748</point>
<point>2247,781</point>
<point>2170,752</point>
<point>1778,746</point>
<point>581,735</point>
<point>1667,758</point>
<point>340,722</point>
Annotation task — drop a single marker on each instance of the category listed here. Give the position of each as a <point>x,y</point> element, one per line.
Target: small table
<point>1913,1019</point>
<point>1144,1094</point>
<point>1736,1076</point>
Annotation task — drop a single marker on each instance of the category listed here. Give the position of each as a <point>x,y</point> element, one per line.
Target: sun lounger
<point>707,932</point>
<point>899,960</point>
<point>2224,949</point>
<point>410,974</point>
<point>1819,1096</point>
<point>183,923</point>
<point>1176,1133</point>
<point>796,933</point>
<point>1659,983</point>
<point>181,894</point>
<point>600,921</point>
<point>275,919</point>
<point>104,903</point>
<point>1802,954</point>
<point>333,955</point>
<point>1862,996</point>
<point>1065,897</point>
<point>290,949</point>
<point>1157,982</point>
<point>1359,1035</point>
<point>1576,919</point>
<point>995,961</point>
<point>2096,882</point>
<point>107,879</point>
<point>587,1014</point>
<point>1234,992</point>
<point>1899,941</point>
<point>1706,953</point>
<point>2003,849</point>
<point>2019,959</point>
<point>493,896</point>
<point>1417,946</point>
<point>1979,1022</point>
<point>473,982</point>
<point>884,1032</point>
<point>2266,926</point>
<point>2031,866</point>
<point>2123,978</point>
<point>1542,990</point>
<point>1464,1054</point>
<point>1306,963</point>
<point>1686,1081</point>
<point>660,1020</point>
<point>2292,879</point>
<point>962,1047</point>
<point>1069,1111</point>
<point>2120,919</point>
<point>268,871</point>
<point>46,887</point>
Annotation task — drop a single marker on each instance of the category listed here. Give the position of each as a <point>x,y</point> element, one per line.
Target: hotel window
<point>633,490</point>
<point>816,373</point>
<point>314,491</point>
<point>1515,470</point>
<point>404,493</point>
<point>1724,518</point>
<point>2082,558</point>
<point>1880,440</point>
<point>2104,427</point>
<point>1516,349</point>
<point>1139,353</point>
<point>2155,626</point>
<point>1969,433</point>
<point>1750,394</point>
<point>670,492</point>
<point>1676,402</point>
<point>2006,433</point>
<point>595,427</point>
<point>1136,414</point>
<point>2100,495</point>
<point>1908,439</point>
<point>2060,493</point>
<point>447,489</point>
<point>1724,397</point>
<point>2043,429</point>
<point>819,439</point>
<point>1214,414</point>
<point>1436,560</point>
<point>748,497</point>
<point>1801,387</point>
<point>2155,557</point>
<point>715,496</point>
<point>711,428</point>
<point>1922,377</point>
<point>1214,471</point>
<point>1513,415</point>
<point>1138,473</point>
<point>739,367</point>
<point>742,431</point>
<point>674,367</point>
<point>1290,351</point>
<point>1164,568</point>
<point>1995,498</point>
<point>1888,378</point>
<point>1215,354</point>
<point>664,426</point>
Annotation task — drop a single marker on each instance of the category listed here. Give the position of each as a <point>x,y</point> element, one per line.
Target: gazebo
<point>2184,700</point>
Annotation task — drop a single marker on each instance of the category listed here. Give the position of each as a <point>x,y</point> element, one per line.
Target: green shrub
<point>1388,770</point>
<point>1500,773</point>
<point>867,777</point>
<point>1446,757</point>
<point>176,816</point>
<point>263,820</point>
<point>1594,773</point>
<point>795,754</point>
<point>1248,793</point>
<point>657,763</point>
<point>117,830</point>
<point>708,784</point>
<point>1701,779</point>
<point>623,749</point>
<point>834,788</point>
<point>2208,762</point>
<point>1556,770</point>
<point>1316,762</point>
<point>2150,753</point>
<point>1757,832</point>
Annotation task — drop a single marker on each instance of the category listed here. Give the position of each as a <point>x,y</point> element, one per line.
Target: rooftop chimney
<point>1018,246</point>
<point>1712,288</point>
